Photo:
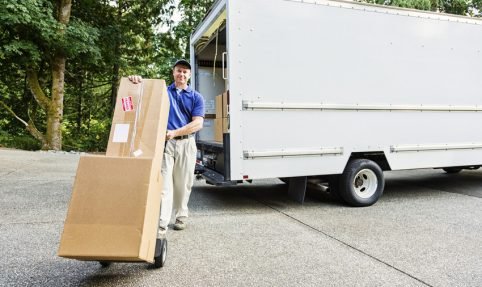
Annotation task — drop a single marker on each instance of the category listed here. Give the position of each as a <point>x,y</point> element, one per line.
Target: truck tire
<point>361,183</point>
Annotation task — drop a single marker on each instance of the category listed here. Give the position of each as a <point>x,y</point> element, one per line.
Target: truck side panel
<point>340,78</point>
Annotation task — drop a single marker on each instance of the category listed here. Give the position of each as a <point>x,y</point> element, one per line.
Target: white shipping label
<point>121,133</point>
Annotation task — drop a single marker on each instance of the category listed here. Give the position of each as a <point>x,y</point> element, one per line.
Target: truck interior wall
<point>211,83</point>
<point>209,78</point>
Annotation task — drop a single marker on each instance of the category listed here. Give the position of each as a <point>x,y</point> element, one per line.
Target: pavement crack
<point>345,243</point>
<point>31,222</point>
<point>439,190</point>
<point>18,169</point>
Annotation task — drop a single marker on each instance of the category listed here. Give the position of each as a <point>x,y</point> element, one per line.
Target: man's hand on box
<point>135,79</point>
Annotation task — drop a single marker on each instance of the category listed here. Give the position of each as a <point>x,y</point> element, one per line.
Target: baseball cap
<point>182,62</point>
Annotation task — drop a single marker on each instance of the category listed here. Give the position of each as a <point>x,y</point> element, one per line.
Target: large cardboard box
<point>221,122</point>
<point>115,204</point>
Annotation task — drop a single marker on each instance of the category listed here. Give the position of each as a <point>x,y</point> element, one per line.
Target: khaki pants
<point>178,172</point>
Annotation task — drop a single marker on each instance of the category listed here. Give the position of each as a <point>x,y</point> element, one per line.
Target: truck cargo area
<point>211,81</point>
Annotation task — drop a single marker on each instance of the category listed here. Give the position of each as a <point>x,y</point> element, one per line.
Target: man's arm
<point>192,127</point>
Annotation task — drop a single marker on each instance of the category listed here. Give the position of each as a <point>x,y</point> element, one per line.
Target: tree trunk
<point>30,126</point>
<point>56,107</point>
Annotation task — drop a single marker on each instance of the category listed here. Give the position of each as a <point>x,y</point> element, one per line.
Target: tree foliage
<point>37,39</point>
<point>459,7</point>
<point>102,41</point>
<point>193,12</point>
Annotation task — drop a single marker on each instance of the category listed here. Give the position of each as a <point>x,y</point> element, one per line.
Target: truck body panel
<point>313,82</point>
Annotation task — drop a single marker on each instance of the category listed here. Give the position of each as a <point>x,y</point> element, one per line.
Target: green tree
<point>38,36</point>
<point>129,45</point>
<point>417,4</point>
<point>460,7</point>
<point>193,12</point>
<point>60,63</point>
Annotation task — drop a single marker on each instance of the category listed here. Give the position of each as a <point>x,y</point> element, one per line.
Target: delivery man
<point>186,117</point>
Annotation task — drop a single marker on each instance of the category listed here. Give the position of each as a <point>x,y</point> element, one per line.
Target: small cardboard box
<point>226,104</point>
<point>219,106</point>
<point>115,205</point>
<point>220,127</point>
<point>222,105</point>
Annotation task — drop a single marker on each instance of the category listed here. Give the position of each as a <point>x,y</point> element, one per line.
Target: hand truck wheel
<point>161,253</point>
<point>105,264</point>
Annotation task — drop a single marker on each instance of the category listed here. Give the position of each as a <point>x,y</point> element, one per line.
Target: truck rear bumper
<point>214,178</point>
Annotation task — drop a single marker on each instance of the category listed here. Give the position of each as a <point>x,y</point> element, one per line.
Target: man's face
<point>181,74</point>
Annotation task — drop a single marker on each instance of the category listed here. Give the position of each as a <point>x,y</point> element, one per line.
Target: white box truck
<point>339,91</point>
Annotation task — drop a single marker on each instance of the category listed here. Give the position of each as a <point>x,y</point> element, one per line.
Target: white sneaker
<point>180,224</point>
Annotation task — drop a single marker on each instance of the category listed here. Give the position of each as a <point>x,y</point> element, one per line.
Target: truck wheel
<point>361,183</point>
<point>452,169</point>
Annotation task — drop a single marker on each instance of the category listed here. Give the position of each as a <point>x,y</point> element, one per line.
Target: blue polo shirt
<point>186,104</point>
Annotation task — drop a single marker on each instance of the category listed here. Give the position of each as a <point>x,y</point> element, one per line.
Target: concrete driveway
<point>426,230</point>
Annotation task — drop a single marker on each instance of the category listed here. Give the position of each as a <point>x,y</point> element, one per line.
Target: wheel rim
<point>365,183</point>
